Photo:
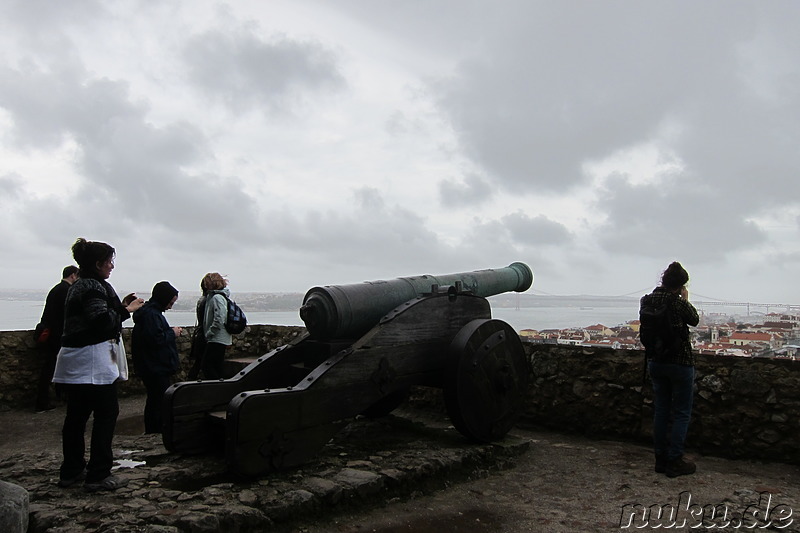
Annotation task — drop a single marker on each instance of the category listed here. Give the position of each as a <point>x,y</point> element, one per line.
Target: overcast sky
<point>288,144</point>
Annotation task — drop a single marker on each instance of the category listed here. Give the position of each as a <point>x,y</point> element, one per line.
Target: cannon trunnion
<point>281,409</point>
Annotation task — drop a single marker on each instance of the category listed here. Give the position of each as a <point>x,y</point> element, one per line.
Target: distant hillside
<point>251,301</point>
<point>255,301</point>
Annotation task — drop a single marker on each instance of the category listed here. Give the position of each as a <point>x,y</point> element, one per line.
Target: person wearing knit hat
<point>155,352</point>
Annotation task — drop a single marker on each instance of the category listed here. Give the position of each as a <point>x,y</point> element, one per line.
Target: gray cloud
<point>538,230</point>
<point>245,71</point>
<point>11,187</point>
<point>372,232</point>
<point>135,171</point>
<point>651,220</point>
<point>369,198</point>
<point>471,190</point>
<point>43,23</point>
<point>581,89</point>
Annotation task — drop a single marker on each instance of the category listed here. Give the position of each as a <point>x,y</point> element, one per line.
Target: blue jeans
<point>673,392</point>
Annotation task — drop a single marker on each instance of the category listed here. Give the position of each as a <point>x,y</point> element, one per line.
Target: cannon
<point>364,346</point>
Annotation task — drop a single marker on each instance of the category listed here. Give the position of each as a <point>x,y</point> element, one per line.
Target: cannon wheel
<point>486,379</point>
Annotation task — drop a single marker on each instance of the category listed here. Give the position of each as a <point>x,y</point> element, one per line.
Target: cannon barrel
<point>348,311</point>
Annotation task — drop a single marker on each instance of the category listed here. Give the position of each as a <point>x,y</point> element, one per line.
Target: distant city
<point>775,335</point>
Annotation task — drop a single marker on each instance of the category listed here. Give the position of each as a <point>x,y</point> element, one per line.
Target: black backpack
<point>657,334</point>
<point>236,321</point>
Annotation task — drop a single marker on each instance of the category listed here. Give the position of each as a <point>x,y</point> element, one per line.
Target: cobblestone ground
<point>402,473</point>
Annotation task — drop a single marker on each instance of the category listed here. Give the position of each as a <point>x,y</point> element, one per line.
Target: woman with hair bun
<point>670,361</point>
<point>91,361</point>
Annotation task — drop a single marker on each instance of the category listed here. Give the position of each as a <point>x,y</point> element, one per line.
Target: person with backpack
<point>48,336</point>
<point>198,346</point>
<point>665,317</point>
<point>215,316</point>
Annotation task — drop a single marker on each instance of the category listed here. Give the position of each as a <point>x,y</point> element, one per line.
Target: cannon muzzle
<point>348,311</point>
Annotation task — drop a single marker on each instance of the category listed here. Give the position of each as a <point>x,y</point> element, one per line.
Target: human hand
<point>684,293</point>
<point>134,305</point>
<point>128,299</point>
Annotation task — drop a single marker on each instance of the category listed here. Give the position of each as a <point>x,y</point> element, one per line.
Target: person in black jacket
<point>48,335</point>
<point>90,363</point>
<point>672,371</point>
<point>155,353</point>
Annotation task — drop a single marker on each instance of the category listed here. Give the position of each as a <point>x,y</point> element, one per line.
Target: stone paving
<point>369,461</point>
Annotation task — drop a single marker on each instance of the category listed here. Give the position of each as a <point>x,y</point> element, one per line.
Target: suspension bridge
<point>790,309</point>
<point>701,302</point>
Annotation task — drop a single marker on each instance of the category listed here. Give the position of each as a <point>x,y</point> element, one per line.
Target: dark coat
<point>93,313</point>
<point>53,314</point>
<point>153,342</point>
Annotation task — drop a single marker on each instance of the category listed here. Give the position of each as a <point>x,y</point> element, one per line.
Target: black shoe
<point>64,483</point>
<point>680,467</point>
<point>661,464</point>
<point>109,483</point>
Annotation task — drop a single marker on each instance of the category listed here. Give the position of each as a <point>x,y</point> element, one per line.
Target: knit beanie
<point>163,293</point>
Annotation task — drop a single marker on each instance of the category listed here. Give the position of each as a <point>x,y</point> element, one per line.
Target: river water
<point>23,315</point>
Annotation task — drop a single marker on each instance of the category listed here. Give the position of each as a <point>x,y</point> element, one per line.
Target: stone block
<point>362,482</point>
<point>14,508</point>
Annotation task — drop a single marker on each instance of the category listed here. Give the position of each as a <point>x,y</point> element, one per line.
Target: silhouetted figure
<point>198,348</point>
<point>48,336</point>
<point>91,361</point>
<point>665,315</point>
<point>155,353</point>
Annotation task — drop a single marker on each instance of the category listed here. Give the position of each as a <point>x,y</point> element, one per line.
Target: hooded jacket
<point>216,313</point>
<point>153,340</point>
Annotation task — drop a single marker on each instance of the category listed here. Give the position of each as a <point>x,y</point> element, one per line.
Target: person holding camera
<point>670,361</point>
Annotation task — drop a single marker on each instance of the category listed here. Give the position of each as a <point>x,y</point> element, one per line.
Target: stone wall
<point>744,407</point>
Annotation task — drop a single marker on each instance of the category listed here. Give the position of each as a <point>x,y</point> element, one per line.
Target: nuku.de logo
<point>694,515</point>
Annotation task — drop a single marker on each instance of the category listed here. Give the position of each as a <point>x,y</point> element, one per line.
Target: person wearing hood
<point>215,315</point>
<point>155,353</point>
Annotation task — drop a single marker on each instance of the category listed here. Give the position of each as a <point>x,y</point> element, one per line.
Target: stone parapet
<point>21,360</point>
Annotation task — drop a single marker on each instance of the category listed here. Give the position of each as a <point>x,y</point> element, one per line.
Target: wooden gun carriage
<point>365,345</point>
